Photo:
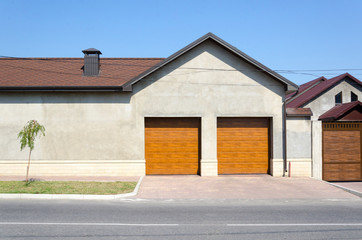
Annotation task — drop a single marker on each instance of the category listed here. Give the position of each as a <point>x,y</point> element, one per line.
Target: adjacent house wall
<point>102,134</point>
<point>326,101</point>
<point>320,105</point>
<point>299,145</point>
<point>317,149</point>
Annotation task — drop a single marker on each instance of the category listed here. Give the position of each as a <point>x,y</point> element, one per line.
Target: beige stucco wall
<point>326,101</point>
<point>108,128</point>
<point>299,146</point>
<point>317,158</point>
<point>83,134</point>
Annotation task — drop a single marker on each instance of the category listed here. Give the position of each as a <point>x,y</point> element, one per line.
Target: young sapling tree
<point>27,139</point>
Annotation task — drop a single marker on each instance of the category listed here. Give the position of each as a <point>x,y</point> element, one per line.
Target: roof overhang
<point>61,89</point>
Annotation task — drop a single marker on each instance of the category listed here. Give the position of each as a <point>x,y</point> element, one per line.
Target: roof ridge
<point>322,78</point>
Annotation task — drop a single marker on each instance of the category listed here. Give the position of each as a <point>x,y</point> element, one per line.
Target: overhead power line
<point>310,72</point>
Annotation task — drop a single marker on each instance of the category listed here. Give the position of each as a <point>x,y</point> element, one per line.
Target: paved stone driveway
<point>237,187</point>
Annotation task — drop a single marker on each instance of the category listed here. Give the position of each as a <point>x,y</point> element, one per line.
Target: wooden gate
<point>342,151</point>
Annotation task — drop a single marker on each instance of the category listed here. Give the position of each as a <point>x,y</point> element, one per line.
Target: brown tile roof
<point>299,112</point>
<point>312,89</point>
<point>61,72</point>
<point>339,110</point>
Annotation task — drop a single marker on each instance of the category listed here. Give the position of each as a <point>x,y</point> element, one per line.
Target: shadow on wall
<point>65,97</point>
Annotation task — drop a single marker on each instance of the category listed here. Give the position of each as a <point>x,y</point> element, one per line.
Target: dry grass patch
<point>69,187</point>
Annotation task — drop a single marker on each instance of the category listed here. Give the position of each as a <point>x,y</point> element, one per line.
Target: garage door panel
<point>172,134</point>
<point>167,150</point>
<point>174,140</point>
<point>243,166</point>
<point>346,142</point>
<point>174,160</point>
<point>172,145</point>
<point>243,149</point>
<point>244,160</point>
<point>241,139</point>
<point>237,144</point>
<point>246,168</point>
<point>342,158</point>
<point>171,171</point>
<point>347,148</point>
<point>241,155</point>
<point>162,155</point>
<point>342,172</point>
<point>236,133</point>
<point>243,145</point>
<point>175,166</point>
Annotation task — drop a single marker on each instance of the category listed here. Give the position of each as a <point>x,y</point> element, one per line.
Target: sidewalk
<point>238,187</point>
<point>352,187</point>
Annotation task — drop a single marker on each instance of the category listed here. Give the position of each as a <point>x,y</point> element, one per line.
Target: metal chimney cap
<point>91,51</point>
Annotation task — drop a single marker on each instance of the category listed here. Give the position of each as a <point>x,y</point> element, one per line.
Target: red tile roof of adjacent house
<point>313,89</point>
<point>339,110</point>
<point>307,85</point>
<point>53,72</point>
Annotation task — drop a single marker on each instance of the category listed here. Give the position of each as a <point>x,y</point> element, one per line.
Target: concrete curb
<point>71,196</point>
<point>354,192</point>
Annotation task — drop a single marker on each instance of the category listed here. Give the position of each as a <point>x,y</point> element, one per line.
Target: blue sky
<point>283,35</point>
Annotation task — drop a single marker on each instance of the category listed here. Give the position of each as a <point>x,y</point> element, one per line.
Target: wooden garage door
<point>243,145</point>
<point>172,145</point>
<point>342,151</point>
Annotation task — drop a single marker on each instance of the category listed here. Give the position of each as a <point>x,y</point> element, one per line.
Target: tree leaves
<point>29,133</point>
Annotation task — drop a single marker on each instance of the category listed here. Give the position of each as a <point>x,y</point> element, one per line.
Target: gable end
<point>288,84</point>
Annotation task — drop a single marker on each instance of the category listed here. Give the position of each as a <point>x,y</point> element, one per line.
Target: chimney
<point>91,62</point>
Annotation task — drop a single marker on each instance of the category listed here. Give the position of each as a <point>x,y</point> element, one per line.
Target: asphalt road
<point>231,219</point>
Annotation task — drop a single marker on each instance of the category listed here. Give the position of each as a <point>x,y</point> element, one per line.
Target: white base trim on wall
<point>74,167</point>
<point>208,167</point>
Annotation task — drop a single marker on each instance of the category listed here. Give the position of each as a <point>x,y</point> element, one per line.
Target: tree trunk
<point>27,169</point>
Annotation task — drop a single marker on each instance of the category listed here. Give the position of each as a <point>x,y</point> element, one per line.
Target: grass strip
<point>67,187</point>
